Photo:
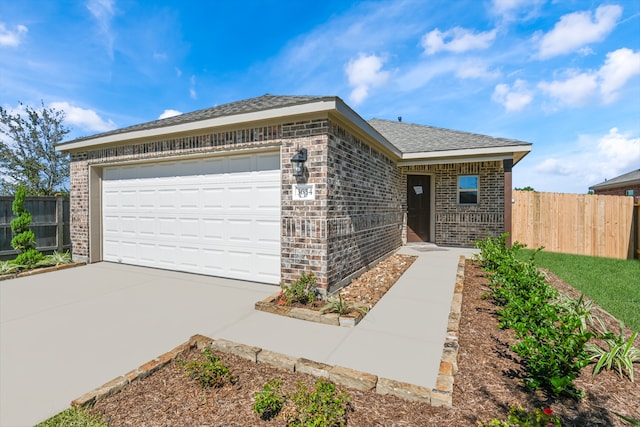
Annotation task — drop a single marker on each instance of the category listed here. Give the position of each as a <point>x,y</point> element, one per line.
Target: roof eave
<point>605,185</point>
<point>322,105</point>
<point>370,131</point>
<point>516,153</point>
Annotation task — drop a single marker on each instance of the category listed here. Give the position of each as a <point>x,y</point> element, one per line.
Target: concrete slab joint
<point>440,396</point>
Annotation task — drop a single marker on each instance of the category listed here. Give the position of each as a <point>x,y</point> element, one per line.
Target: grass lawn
<point>614,284</point>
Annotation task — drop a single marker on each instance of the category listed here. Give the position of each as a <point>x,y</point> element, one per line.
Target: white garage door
<point>216,216</point>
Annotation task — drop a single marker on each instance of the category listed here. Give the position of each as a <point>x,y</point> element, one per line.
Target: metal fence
<point>49,221</point>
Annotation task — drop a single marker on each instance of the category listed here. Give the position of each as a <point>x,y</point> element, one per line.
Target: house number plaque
<point>303,191</point>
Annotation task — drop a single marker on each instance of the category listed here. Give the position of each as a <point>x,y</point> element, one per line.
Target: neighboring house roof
<point>404,141</point>
<point>632,177</point>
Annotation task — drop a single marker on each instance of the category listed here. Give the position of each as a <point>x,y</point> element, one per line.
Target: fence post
<point>59,223</point>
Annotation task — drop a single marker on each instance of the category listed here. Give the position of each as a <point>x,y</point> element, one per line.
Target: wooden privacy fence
<point>583,224</point>
<point>49,221</point>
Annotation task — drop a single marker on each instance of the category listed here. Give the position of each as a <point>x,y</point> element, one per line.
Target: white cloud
<point>456,40</point>
<point>86,119</point>
<point>192,90</point>
<point>514,97</point>
<point>472,69</point>
<point>589,161</point>
<point>169,113</point>
<point>103,11</point>
<point>364,73</point>
<point>578,29</point>
<point>620,66</point>
<point>509,6</point>
<point>12,38</point>
<point>578,88</point>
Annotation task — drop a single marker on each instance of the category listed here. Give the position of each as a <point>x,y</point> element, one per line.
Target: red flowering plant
<point>520,417</point>
<point>301,291</point>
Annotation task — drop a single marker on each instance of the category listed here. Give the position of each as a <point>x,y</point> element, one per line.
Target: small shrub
<point>7,267</point>
<point>342,307</point>
<point>519,417</point>
<point>23,238</point>
<point>621,355</point>
<point>28,259</point>
<point>269,401</point>
<point>56,258</point>
<point>209,373</point>
<point>321,407</point>
<point>301,291</point>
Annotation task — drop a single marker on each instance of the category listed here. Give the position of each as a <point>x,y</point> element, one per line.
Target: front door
<point>418,208</point>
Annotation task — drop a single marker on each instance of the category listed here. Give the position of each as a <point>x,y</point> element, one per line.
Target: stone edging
<point>441,395</point>
<point>40,270</point>
<point>270,306</point>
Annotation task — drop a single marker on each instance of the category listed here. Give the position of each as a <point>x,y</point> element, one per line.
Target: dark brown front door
<point>418,209</point>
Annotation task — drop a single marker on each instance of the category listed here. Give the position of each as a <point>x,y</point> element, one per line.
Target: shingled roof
<point>260,103</point>
<point>414,138</point>
<point>404,140</point>
<point>624,179</point>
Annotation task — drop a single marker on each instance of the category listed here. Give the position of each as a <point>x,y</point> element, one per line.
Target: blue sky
<point>564,75</point>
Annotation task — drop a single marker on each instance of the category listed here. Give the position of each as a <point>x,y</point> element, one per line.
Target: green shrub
<point>23,238</point>
<point>321,407</point>
<point>7,267</point>
<point>211,372</point>
<point>341,306</point>
<point>269,401</point>
<point>301,291</point>
<point>56,258</point>
<point>519,417</point>
<point>28,259</point>
<point>551,339</point>
<point>621,353</point>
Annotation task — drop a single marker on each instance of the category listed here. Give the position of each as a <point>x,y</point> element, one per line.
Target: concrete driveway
<point>64,333</point>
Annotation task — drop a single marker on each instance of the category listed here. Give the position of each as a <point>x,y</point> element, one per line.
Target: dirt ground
<point>486,384</point>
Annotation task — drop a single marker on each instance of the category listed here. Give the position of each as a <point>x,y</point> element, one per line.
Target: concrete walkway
<point>64,333</point>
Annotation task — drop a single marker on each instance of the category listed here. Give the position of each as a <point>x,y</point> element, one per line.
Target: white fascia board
<point>432,160</point>
<point>353,117</point>
<point>469,152</point>
<point>276,113</point>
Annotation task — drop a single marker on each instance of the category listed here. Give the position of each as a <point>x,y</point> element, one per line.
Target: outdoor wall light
<point>298,162</point>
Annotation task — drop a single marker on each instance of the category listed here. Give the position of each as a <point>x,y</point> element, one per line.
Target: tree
<point>27,151</point>
<point>527,188</point>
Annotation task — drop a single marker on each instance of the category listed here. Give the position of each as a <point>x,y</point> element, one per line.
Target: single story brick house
<point>627,184</point>
<point>267,188</point>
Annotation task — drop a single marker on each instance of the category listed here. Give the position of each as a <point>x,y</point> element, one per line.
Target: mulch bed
<point>486,384</point>
<point>367,289</point>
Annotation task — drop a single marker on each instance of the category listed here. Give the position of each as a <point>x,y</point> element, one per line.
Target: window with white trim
<point>468,189</point>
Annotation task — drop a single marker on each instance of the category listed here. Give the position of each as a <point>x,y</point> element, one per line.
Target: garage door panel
<point>216,216</point>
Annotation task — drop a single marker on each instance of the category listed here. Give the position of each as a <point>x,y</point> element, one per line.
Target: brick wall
<point>365,205</point>
<point>304,222</point>
<point>463,225</point>
<point>622,191</point>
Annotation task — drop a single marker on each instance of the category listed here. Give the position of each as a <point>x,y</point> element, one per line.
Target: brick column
<point>508,197</point>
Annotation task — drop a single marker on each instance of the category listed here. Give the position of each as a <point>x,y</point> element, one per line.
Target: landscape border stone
<point>440,395</point>
<point>270,305</point>
<point>40,270</point>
